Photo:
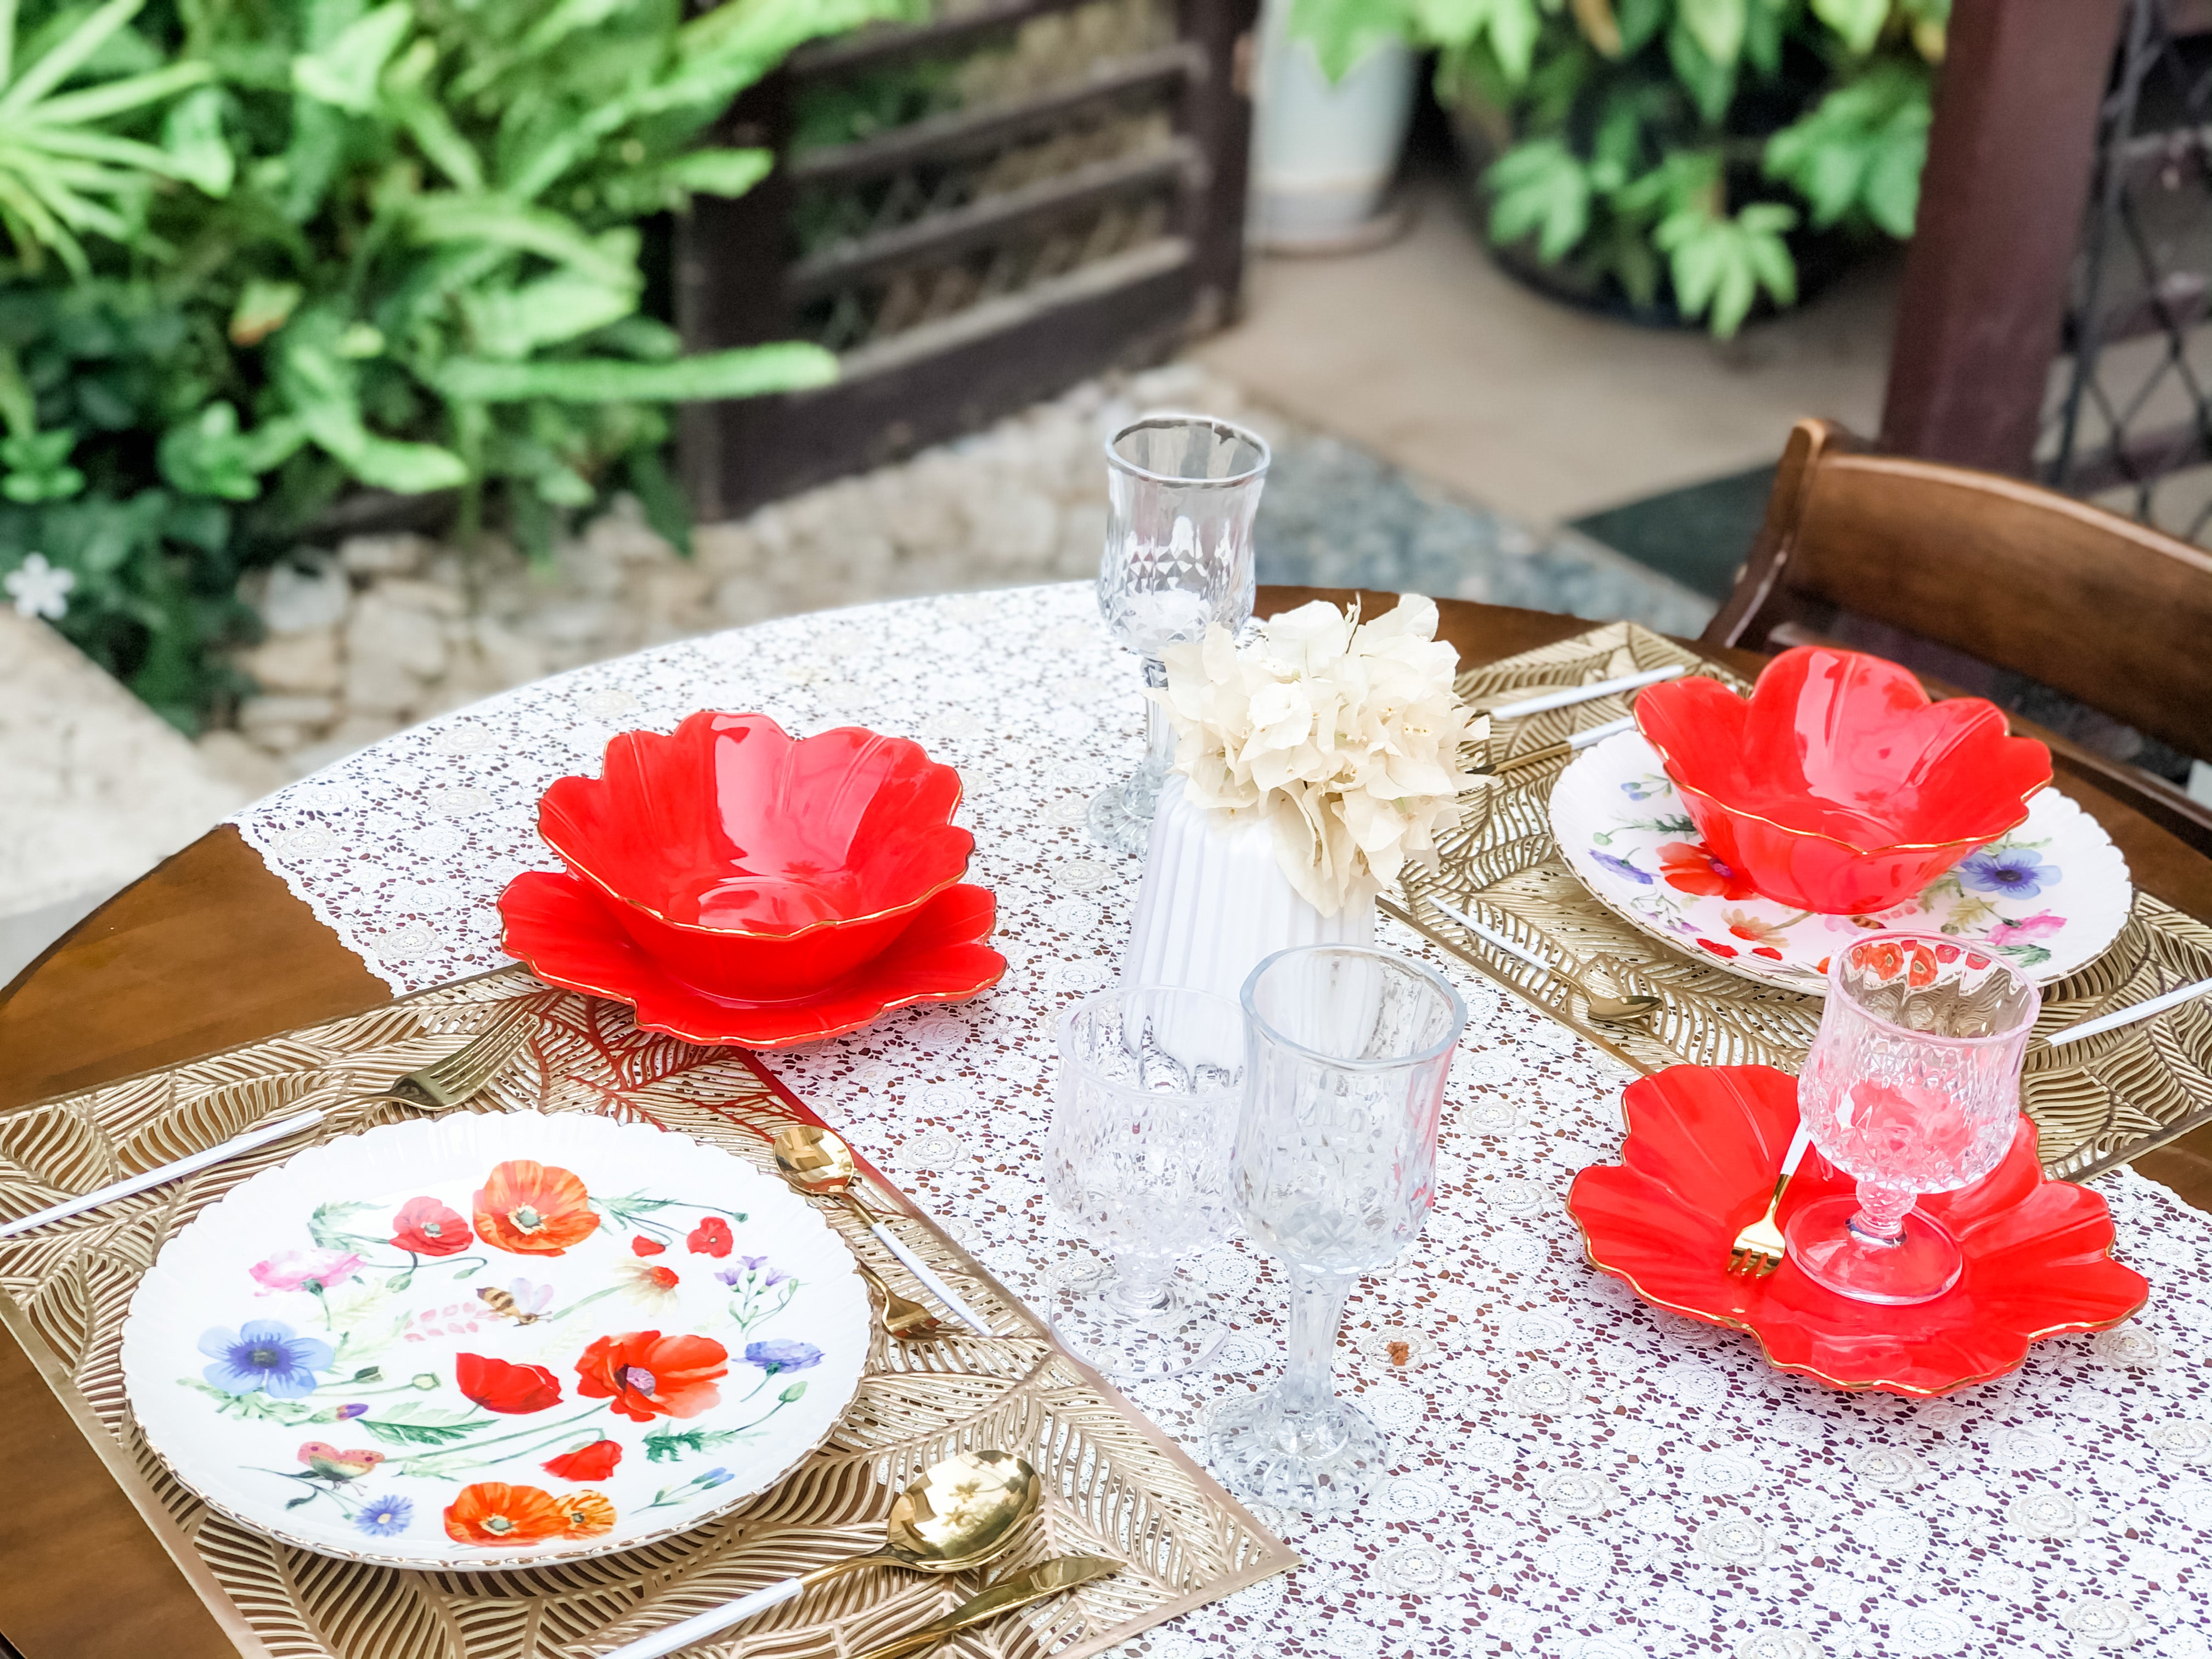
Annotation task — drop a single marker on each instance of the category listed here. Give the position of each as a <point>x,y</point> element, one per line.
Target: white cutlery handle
<point>937,1288</point>
<point>1600,734</point>
<point>1489,936</point>
<point>2120,1017</point>
<point>189,1165</point>
<point>699,1625</point>
<point>1798,1142</point>
<point>1569,695</point>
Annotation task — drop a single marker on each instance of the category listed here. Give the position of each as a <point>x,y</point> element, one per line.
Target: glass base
<point>1114,826</point>
<point>1325,1462</point>
<point>1919,1264</point>
<point>1178,1335</point>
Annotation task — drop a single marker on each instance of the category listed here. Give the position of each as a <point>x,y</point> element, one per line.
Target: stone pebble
<point>379,632</point>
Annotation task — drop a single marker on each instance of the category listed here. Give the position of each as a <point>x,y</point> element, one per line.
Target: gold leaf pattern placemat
<point>1115,1486</point>
<point>2097,1103</point>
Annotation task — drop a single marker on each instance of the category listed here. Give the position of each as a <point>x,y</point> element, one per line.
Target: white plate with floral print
<point>491,1340</point>
<point>2048,897</point>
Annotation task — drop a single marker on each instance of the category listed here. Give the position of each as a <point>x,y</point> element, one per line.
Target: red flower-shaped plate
<point>1703,1144</point>
<point>1839,787</point>
<point>562,930</point>
<point>756,864</point>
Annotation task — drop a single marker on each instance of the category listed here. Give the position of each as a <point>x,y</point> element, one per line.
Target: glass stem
<point>1881,1217</point>
<point>1142,792</point>
<point>1316,1307</point>
<point>1140,1284</point>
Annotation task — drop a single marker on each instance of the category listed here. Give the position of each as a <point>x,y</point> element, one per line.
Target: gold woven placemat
<point>1115,1486</point>
<point>2096,1103</point>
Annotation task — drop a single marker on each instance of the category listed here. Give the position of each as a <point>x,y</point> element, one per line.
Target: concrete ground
<point>1426,354</point>
<point>94,789</point>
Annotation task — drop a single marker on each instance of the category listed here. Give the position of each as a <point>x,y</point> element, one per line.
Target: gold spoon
<point>815,1160</point>
<point>963,1513</point>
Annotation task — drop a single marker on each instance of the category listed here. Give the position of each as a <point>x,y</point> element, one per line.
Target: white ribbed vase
<point>1214,903</point>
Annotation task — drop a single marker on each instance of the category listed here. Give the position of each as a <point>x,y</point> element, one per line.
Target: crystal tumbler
<point>1182,490</point>
<point>1138,1158</point>
<point>1911,1086</point>
<point>1347,1052</point>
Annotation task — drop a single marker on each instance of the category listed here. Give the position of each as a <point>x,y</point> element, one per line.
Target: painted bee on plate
<point>522,1302</point>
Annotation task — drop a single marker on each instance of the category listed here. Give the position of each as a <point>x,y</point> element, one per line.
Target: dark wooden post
<point>2010,159</point>
<point>1216,114</point>
<point>749,234</point>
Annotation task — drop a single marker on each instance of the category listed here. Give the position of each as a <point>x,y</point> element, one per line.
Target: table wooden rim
<point>124,992</point>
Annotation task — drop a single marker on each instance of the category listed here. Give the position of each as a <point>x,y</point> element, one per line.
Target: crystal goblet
<point>1137,1157</point>
<point>1181,491</point>
<point>1334,1169</point>
<point>1911,1086</point>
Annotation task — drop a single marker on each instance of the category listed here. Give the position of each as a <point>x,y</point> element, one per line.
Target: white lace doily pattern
<point>1577,1475</point>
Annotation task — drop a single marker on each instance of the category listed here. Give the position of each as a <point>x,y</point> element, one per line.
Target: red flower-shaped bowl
<point>755,866</point>
<point>568,936</point>
<point>1703,1144</point>
<point>1839,787</point>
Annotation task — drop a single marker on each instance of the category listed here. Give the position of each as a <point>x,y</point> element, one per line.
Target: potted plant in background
<point>1673,160</point>
<point>1326,137</point>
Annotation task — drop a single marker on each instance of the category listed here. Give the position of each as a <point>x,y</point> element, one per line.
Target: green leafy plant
<point>65,172</point>
<point>267,251</point>
<point>1672,149</point>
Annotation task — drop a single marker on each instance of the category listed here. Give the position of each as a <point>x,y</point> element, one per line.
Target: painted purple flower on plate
<point>384,1517</point>
<point>1622,867</point>
<point>782,1354</point>
<point>749,1265</point>
<point>2015,872</point>
<point>264,1356</point>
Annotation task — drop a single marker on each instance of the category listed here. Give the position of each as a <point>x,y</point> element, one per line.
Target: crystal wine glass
<point>1137,1157</point>
<point>1347,1049</point>
<point>1912,1085</point>
<point>1181,491</point>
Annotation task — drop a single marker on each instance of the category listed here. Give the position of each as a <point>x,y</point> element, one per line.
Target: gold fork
<point>444,1084</point>
<point>438,1087</point>
<point>1759,1248</point>
<point>901,1317</point>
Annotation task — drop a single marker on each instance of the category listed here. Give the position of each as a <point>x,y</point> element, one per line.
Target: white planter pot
<point>1214,904</point>
<point>1324,153</point>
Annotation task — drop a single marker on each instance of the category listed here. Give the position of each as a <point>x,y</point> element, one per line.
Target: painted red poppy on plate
<point>586,1514</point>
<point>498,1385</point>
<point>429,1228</point>
<point>533,1209</point>
<point>648,1375</point>
<point>1704,1143</point>
<point>711,1237</point>
<point>492,1512</point>
<point>1689,866</point>
<point>593,1463</point>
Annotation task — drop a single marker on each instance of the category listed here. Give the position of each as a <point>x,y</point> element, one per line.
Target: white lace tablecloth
<point>1577,1475</point>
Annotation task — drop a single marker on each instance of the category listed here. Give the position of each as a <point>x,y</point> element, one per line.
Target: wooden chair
<point>1957,573</point>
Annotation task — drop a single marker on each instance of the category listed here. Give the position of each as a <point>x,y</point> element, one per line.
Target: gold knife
<point>1049,1578</point>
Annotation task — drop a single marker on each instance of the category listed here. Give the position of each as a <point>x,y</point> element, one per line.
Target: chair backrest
<point>2111,613</point>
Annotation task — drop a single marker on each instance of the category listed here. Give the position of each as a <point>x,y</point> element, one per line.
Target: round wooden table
<point>211,951</point>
